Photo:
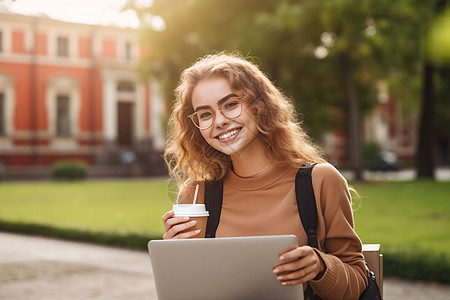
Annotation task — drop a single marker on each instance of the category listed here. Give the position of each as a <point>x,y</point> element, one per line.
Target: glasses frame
<point>191,116</point>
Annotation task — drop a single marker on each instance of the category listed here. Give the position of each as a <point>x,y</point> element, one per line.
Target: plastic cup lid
<point>190,210</point>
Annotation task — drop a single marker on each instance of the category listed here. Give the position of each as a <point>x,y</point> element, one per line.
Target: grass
<point>120,207</point>
<point>413,214</point>
<point>394,214</point>
<point>411,220</point>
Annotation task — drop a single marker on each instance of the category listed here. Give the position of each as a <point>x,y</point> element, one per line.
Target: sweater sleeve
<point>339,246</point>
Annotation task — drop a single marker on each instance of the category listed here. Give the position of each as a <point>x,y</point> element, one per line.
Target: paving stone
<point>36,268</point>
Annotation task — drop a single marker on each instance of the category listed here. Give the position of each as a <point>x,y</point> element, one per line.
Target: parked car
<point>387,161</point>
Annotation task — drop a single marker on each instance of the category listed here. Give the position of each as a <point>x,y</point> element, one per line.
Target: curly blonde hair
<point>190,157</point>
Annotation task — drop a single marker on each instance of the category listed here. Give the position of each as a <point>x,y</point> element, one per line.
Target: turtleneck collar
<point>261,181</point>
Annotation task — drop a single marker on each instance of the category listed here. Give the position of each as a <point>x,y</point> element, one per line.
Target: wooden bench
<point>374,260</point>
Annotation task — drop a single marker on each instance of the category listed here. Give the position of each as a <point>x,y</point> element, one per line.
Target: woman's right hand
<point>174,225</point>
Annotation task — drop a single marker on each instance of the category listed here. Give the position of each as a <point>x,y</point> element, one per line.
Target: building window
<point>125,86</point>
<point>62,47</point>
<point>63,116</point>
<point>128,51</point>
<point>2,115</point>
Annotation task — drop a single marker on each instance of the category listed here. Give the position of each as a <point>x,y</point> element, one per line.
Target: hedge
<point>70,170</point>
<point>414,264</point>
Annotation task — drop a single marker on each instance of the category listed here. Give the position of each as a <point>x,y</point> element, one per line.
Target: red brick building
<point>70,91</point>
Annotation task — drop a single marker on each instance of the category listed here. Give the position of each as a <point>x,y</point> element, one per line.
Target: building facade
<point>70,91</point>
<point>390,126</point>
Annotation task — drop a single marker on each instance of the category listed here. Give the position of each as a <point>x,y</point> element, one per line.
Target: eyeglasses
<point>231,108</point>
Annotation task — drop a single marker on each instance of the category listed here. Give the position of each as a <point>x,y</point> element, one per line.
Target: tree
<point>321,53</point>
<point>267,31</point>
<point>437,49</point>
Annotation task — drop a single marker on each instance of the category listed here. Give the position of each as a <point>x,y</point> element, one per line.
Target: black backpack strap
<point>213,202</point>
<point>306,203</point>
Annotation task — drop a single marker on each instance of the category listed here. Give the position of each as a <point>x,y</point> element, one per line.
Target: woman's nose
<point>220,119</point>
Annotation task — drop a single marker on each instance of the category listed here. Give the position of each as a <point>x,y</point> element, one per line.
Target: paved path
<point>41,268</point>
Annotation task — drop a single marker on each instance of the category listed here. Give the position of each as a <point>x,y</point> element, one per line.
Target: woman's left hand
<point>307,265</point>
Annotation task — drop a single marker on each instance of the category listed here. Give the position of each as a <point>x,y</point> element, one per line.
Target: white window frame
<point>9,98</point>
<point>52,43</point>
<point>70,129</point>
<point>63,38</point>
<point>111,97</point>
<point>63,85</point>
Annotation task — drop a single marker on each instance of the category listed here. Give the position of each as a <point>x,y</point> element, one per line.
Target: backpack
<point>307,208</point>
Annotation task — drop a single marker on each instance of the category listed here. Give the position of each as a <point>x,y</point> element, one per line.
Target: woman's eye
<point>204,115</point>
<point>230,105</point>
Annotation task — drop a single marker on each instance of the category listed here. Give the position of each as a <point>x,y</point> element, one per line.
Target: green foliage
<point>70,170</point>
<point>111,238</point>
<point>437,40</point>
<point>370,152</point>
<point>381,40</point>
<point>416,264</point>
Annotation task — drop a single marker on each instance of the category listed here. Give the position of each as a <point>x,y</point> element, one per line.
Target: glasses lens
<point>203,118</point>
<point>232,108</point>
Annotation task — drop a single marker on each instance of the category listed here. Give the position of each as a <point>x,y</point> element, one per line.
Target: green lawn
<point>113,206</point>
<point>413,214</point>
<point>395,214</point>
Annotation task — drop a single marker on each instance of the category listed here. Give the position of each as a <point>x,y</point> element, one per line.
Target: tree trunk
<point>354,124</point>
<point>424,158</point>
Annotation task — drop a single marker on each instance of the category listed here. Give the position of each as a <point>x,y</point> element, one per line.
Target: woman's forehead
<point>210,91</point>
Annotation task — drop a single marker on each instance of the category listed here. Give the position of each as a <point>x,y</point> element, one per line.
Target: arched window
<point>63,107</point>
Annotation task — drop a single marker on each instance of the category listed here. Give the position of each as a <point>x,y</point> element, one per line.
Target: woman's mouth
<point>229,135</point>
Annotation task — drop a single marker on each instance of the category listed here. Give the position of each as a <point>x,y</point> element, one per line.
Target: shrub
<point>370,152</point>
<point>70,170</point>
<point>417,264</point>
<point>2,170</point>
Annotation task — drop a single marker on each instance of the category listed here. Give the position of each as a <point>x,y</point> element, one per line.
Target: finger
<point>187,235</point>
<point>296,275</point>
<point>174,230</point>
<point>168,215</point>
<point>296,264</point>
<point>310,263</point>
<point>298,252</point>
<point>176,220</point>
<point>169,220</point>
<point>290,266</point>
<point>299,274</point>
<point>298,281</point>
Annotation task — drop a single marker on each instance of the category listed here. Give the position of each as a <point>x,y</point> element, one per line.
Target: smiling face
<point>230,136</point>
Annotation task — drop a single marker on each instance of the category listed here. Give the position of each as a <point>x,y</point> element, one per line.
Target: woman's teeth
<point>228,134</point>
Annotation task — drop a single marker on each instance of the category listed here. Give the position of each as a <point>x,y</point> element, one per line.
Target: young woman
<point>231,123</point>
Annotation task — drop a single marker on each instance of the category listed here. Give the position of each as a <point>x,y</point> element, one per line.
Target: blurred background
<point>93,82</point>
<point>86,89</point>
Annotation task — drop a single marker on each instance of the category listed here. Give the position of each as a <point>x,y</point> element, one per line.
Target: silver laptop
<point>238,268</point>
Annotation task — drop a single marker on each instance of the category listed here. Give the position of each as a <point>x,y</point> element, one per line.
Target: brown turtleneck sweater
<point>266,205</point>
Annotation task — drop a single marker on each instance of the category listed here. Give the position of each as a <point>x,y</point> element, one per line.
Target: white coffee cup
<point>195,212</point>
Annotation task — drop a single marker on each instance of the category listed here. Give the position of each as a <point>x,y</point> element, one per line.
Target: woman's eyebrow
<point>218,102</point>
